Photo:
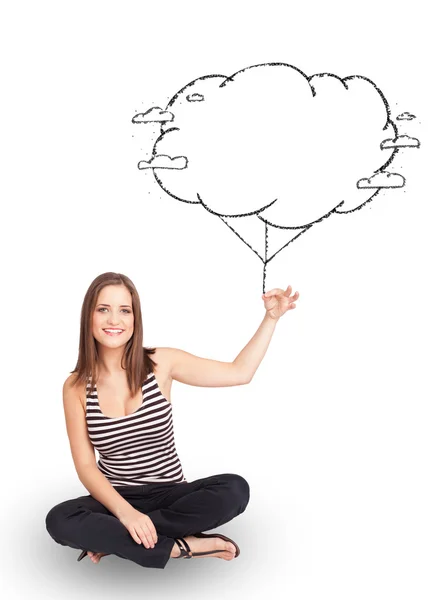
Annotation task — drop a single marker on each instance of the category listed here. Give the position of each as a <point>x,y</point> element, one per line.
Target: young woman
<point>117,401</point>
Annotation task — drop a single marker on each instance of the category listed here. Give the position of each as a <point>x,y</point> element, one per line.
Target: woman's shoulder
<point>159,353</point>
<point>162,357</point>
<point>70,382</point>
<point>75,389</point>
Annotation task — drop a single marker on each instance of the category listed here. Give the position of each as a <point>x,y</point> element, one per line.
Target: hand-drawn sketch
<point>406,116</point>
<point>272,152</point>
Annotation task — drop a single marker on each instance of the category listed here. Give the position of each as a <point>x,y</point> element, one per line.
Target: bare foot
<point>96,556</point>
<point>222,549</point>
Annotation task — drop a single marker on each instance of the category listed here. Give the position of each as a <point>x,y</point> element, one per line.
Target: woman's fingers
<point>294,298</point>
<point>278,291</point>
<point>288,295</point>
<point>140,527</point>
<point>149,535</point>
<point>135,536</point>
<point>150,531</point>
<point>144,538</point>
<point>153,531</point>
<point>144,533</point>
<point>273,292</point>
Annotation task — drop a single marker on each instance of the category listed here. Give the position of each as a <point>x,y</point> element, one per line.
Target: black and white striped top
<point>138,448</point>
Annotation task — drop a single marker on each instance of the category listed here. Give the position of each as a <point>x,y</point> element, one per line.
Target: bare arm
<point>276,302</point>
<point>102,490</point>
<point>83,454</point>
<point>138,524</point>
<point>203,372</point>
<point>250,357</point>
<point>193,370</point>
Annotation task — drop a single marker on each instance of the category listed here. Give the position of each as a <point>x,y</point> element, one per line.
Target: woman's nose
<point>113,319</point>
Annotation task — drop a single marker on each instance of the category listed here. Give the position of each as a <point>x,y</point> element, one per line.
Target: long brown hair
<point>136,358</point>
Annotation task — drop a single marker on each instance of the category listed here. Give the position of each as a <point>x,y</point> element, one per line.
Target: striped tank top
<point>138,448</point>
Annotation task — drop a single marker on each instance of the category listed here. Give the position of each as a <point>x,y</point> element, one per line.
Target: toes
<point>95,556</point>
<point>230,548</point>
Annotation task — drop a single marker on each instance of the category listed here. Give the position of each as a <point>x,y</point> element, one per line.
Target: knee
<point>56,517</point>
<point>240,490</point>
<point>53,520</point>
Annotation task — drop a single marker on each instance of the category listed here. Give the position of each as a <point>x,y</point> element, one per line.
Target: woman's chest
<point>115,400</point>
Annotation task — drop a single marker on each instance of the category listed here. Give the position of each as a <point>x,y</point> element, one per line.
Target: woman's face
<point>113,311</point>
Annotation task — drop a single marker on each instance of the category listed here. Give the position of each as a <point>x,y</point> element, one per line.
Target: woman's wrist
<point>269,318</point>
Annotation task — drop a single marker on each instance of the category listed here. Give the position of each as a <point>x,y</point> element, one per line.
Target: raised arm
<point>202,372</point>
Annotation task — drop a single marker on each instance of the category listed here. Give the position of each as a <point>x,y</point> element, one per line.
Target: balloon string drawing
<point>272,152</point>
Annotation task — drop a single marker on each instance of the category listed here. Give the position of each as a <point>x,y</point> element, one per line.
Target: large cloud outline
<point>237,165</point>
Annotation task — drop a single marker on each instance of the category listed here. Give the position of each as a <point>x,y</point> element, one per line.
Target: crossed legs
<point>177,511</point>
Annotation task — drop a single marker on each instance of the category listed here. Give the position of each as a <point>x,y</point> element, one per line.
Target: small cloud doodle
<point>163,161</point>
<point>401,141</point>
<point>153,115</point>
<point>383,179</point>
<point>195,98</point>
<point>405,116</point>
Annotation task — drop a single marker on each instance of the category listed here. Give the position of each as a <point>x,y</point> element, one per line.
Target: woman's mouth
<point>114,332</point>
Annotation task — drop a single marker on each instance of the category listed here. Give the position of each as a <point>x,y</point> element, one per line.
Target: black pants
<point>176,509</point>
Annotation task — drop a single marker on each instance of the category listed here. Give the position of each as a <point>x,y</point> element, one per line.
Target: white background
<point>342,432</point>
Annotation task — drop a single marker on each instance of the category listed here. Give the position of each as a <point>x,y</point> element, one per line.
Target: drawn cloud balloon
<point>272,151</point>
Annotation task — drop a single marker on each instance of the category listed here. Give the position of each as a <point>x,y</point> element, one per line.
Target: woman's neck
<point>109,361</point>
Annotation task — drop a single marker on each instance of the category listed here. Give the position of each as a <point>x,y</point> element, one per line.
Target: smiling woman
<point>140,506</point>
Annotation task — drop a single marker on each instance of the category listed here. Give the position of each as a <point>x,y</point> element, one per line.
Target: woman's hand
<point>277,302</point>
<point>140,527</point>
